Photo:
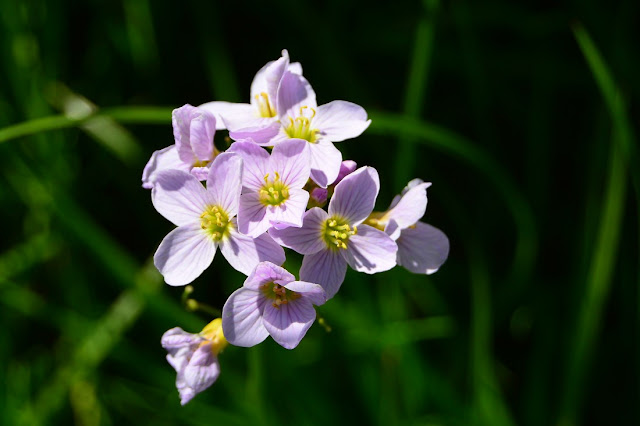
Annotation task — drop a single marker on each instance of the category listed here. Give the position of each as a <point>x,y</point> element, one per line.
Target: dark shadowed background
<point>522,114</point>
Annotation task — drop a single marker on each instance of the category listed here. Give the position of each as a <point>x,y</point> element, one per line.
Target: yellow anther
<point>332,223</point>
<point>215,221</point>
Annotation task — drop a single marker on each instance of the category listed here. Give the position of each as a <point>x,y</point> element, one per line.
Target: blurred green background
<point>523,116</point>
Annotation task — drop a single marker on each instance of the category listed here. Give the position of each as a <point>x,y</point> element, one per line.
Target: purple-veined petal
<point>203,129</point>
<point>422,249</point>
<point>318,196</point>
<point>340,120</point>
<point>200,173</point>
<point>291,160</point>
<point>325,162</point>
<point>202,370</point>
<point>346,168</point>
<point>370,251</point>
<point>242,318</point>
<point>234,112</point>
<point>408,210</point>
<point>288,323</point>
<point>256,161</point>
<point>308,238</point>
<point>327,268</point>
<point>411,184</point>
<point>225,182</point>
<point>267,272</point>
<point>179,197</point>
<point>261,131</point>
<point>184,254</point>
<point>295,67</point>
<point>244,253</point>
<point>294,92</point>
<point>179,358</point>
<point>177,338</point>
<point>252,215</point>
<point>268,78</point>
<point>164,159</point>
<point>193,130</point>
<point>312,292</point>
<point>290,212</point>
<point>186,393</point>
<point>181,121</point>
<point>355,196</point>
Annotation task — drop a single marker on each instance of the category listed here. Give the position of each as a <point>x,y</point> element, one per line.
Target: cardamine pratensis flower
<point>193,151</point>
<point>271,302</point>
<point>194,357</point>
<point>272,192</point>
<point>422,248</point>
<point>300,117</point>
<point>332,240</point>
<point>259,117</point>
<point>206,220</point>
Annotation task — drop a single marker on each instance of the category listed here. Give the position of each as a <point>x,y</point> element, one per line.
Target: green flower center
<point>300,127</point>
<point>279,294</point>
<point>274,192</point>
<point>216,222</point>
<point>336,232</point>
<point>265,110</point>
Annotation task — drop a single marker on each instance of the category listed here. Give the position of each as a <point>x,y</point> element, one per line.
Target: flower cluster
<point>267,191</point>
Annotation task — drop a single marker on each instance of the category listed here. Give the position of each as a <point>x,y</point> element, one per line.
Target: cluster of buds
<point>266,192</point>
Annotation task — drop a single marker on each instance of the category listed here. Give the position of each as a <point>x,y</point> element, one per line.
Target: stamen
<point>216,222</point>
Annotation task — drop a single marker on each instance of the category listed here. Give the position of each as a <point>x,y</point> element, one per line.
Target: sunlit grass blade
<point>600,274</point>
<point>105,130</point>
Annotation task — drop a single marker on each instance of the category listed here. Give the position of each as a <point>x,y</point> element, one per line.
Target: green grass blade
<point>416,89</point>
<point>600,274</point>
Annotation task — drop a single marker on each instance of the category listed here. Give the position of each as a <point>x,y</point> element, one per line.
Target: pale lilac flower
<point>272,192</point>
<point>332,240</point>
<point>206,220</point>
<point>271,302</point>
<point>194,357</point>
<point>300,117</point>
<point>259,117</point>
<point>193,151</point>
<point>422,248</point>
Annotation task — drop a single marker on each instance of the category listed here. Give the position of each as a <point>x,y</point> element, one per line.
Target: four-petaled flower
<point>272,185</point>
<point>332,240</point>
<point>271,302</point>
<point>193,151</point>
<point>422,248</point>
<point>194,357</point>
<point>206,220</point>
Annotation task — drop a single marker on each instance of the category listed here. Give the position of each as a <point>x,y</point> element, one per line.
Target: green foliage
<point>524,123</point>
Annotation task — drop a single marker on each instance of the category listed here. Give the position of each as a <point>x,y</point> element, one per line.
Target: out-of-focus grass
<point>493,121</point>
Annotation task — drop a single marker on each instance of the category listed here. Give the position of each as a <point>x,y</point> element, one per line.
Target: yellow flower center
<point>265,109</point>
<point>279,294</point>
<point>300,127</point>
<point>214,335</point>
<point>336,232</point>
<point>273,192</point>
<point>216,222</point>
